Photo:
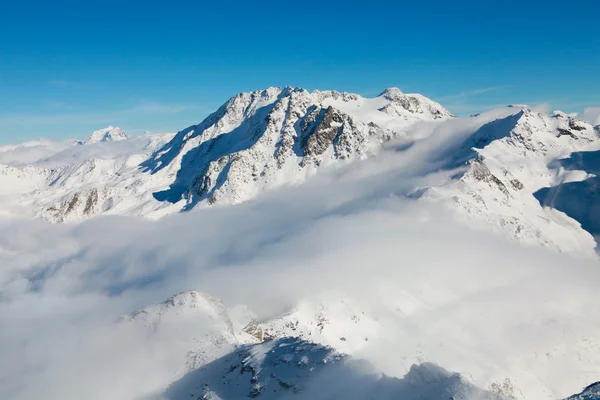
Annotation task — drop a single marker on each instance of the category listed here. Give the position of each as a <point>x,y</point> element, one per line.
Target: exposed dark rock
<point>481,173</point>
<point>516,184</point>
<point>565,132</point>
<point>591,392</point>
<point>573,125</point>
<point>91,202</point>
<point>72,203</point>
<point>311,116</point>
<point>323,134</point>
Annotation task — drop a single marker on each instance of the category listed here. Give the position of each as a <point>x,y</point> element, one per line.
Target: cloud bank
<point>472,302</point>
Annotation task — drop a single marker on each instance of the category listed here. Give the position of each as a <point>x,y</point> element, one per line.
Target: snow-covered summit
<point>260,140</point>
<point>391,93</point>
<point>254,142</point>
<point>108,134</point>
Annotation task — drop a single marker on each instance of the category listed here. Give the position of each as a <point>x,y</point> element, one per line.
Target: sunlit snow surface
<point>380,278</point>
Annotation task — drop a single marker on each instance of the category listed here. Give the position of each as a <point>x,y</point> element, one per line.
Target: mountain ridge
<point>260,140</point>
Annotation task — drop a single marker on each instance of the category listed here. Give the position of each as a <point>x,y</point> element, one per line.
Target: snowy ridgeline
<point>508,163</point>
<point>254,142</point>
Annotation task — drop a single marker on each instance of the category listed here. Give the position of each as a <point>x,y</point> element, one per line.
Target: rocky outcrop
<point>323,134</point>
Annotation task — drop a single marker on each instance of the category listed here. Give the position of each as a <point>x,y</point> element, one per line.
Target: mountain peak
<point>108,134</point>
<point>391,93</point>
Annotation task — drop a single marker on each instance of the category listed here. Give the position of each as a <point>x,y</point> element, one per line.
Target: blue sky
<point>68,68</point>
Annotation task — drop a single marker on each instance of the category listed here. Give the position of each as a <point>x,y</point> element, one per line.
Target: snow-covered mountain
<point>509,159</point>
<point>109,134</point>
<point>229,353</point>
<point>258,141</point>
<point>254,142</point>
<point>232,355</point>
<point>347,289</point>
<point>263,139</point>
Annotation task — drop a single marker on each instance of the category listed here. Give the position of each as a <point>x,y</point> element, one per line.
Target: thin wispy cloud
<point>474,92</point>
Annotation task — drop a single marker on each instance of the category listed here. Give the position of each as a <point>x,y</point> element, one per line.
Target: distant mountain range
<point>511,162</point>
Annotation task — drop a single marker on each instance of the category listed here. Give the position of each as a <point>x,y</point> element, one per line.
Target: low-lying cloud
<point>480,304</point>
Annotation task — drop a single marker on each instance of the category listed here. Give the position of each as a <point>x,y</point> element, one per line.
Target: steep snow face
<point>263,139</point>
<point>578,199</point>
<point>254,142</point>
<point>507,161</point>
<point>109,134</point>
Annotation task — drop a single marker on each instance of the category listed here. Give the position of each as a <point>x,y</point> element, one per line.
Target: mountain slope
<point>254,142</point>
<point>257,141</point>
<point>230,356</point>
<point>507,161</point>
<point>227,353</point>
<point>262,139</point>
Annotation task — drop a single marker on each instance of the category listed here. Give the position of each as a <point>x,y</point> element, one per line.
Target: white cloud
<point>30,152</point>
<point>480,304</point>
<point>542,107</point>
<point>591,115</point>
<point>53,153</point>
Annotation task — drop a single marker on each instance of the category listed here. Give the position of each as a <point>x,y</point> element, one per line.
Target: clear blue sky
<point>67,68</point>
